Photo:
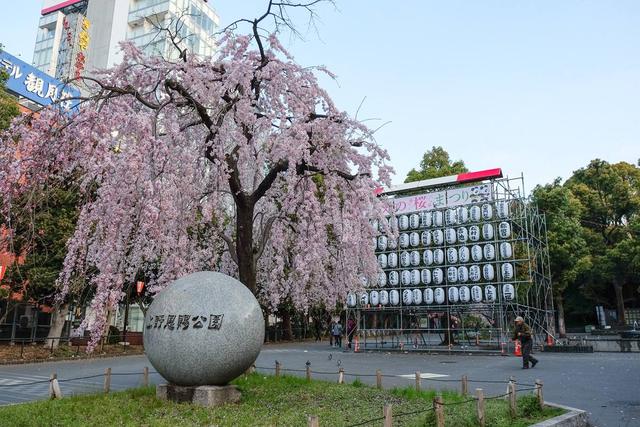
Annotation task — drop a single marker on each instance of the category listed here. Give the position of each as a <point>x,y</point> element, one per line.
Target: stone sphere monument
<point>204,329</point>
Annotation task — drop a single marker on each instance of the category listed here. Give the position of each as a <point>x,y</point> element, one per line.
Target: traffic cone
<point>518,350</point>
<point>356,348</point>
<point>549,340</point>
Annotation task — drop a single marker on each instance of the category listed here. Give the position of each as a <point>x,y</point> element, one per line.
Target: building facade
<point>80,36</point>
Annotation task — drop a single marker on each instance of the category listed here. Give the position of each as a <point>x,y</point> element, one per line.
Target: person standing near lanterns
<point>522,332</point>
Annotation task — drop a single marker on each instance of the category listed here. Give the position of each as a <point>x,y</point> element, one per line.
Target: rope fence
<point>55,392</point>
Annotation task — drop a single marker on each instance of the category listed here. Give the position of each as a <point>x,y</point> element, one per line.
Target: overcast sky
<point>534,87</point>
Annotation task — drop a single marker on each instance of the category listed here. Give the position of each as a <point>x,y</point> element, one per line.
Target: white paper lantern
<point>364,299</point>
<point>374,244</point>
<point>437,276</point>
<point>487,212</point>
<point>425,237</point>
<point>351,299</point>
<point>403,222</point>
<point>474,233</point>
<point>502,208</point>
<point>507,271</point>
<point>392,260</point>
<point>508,292</point>
<point>427,257</point>
<point>437,219</point>
<point>463,234</point>
<point>425,276</point>
<point>489,252</point>
<point>452,275</point>
<point>415,277</point>
<point>414,221</point>
<point>488,272</point>
<point>476,294</point>
<point>393,223</point>
<point>364,281</point>
<point>438,256</point>
<point>374,297</point>
<point>414,239</point>
<point>404,259</point>
<point>452,255</point>
<point>382,243</point>
<point>414,258</point>
<point>427,295</point>
<point>438,295</point>
<point>465,294</point>
<point>506,251</point>
<point>463,214</point>
<point>490,293</point>
<point>504,230</point>
<point>425,219</point>
<point>475,213</point>
<point>384,298</point>
<point>463,254</point>
<point>404,240</point>
<point>407,297</point>
<point>392,244</point>
<point>438,237</point>
<point>405,278</point>
<point>463,274</point>
<point>382,260</point>
<point>394,297</point>
<point>454,295</point>
<point>375,224</point>
<point>382,279</point>
<point>394,278</point>
<point>487,231</point>
<point>474,273</point>
<point>476,253</point>
<point>417,296</point>
<point>450,236</point>
<point>450,217</point>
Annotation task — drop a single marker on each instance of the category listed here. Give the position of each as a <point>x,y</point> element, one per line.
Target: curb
<point>573,418</point>
<point>64,359</point>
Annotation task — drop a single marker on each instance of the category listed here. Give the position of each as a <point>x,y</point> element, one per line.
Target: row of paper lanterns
<point>452,295</point>
<point>439,237</point>
<point>452,216</point>
<point>461,255</point>
<point>460,274</point>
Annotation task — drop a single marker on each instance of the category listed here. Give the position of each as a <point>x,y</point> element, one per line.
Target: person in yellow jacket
<point>522,332</point>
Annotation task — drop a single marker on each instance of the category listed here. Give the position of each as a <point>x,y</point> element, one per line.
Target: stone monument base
<point>204,395</point>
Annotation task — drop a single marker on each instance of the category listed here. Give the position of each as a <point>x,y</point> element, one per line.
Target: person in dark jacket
<point>522,332</point>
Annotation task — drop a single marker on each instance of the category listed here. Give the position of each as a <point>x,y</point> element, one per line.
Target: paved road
<point>605,384</point>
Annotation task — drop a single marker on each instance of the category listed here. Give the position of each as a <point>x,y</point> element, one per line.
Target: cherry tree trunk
<point>57,324</point>
<point>244,247</point>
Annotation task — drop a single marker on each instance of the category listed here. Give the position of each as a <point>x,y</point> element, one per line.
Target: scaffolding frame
<point>472,327</point>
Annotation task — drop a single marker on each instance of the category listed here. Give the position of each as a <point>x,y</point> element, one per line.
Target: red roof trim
<point>480,175</point>
<point>59,6</point>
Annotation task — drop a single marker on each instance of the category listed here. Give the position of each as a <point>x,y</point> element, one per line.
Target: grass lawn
<point>267,401</point>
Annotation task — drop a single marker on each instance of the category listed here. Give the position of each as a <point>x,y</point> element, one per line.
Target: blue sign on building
<point>39,87</point>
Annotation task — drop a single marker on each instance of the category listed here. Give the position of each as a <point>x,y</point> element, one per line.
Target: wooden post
<point>341,376</point>
<point>388,415</point>
<point>313,421</point>
<point>512,399</point>
<point>465,385</point>
<point>480,406</point>
<point>438,407</point>
<point>278,367</point>
<point>539,393</point>
<point>145,376</point>
<point>308,372</point>
<point>54,387</point>
<point>107,380</point>
<point>418,378</point>
<point>379,379</point>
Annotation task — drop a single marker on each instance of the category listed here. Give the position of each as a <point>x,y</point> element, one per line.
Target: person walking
<point>351,329</point>
<point>332,324</point>
<point>337,333</point>
<point>522,332</point>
